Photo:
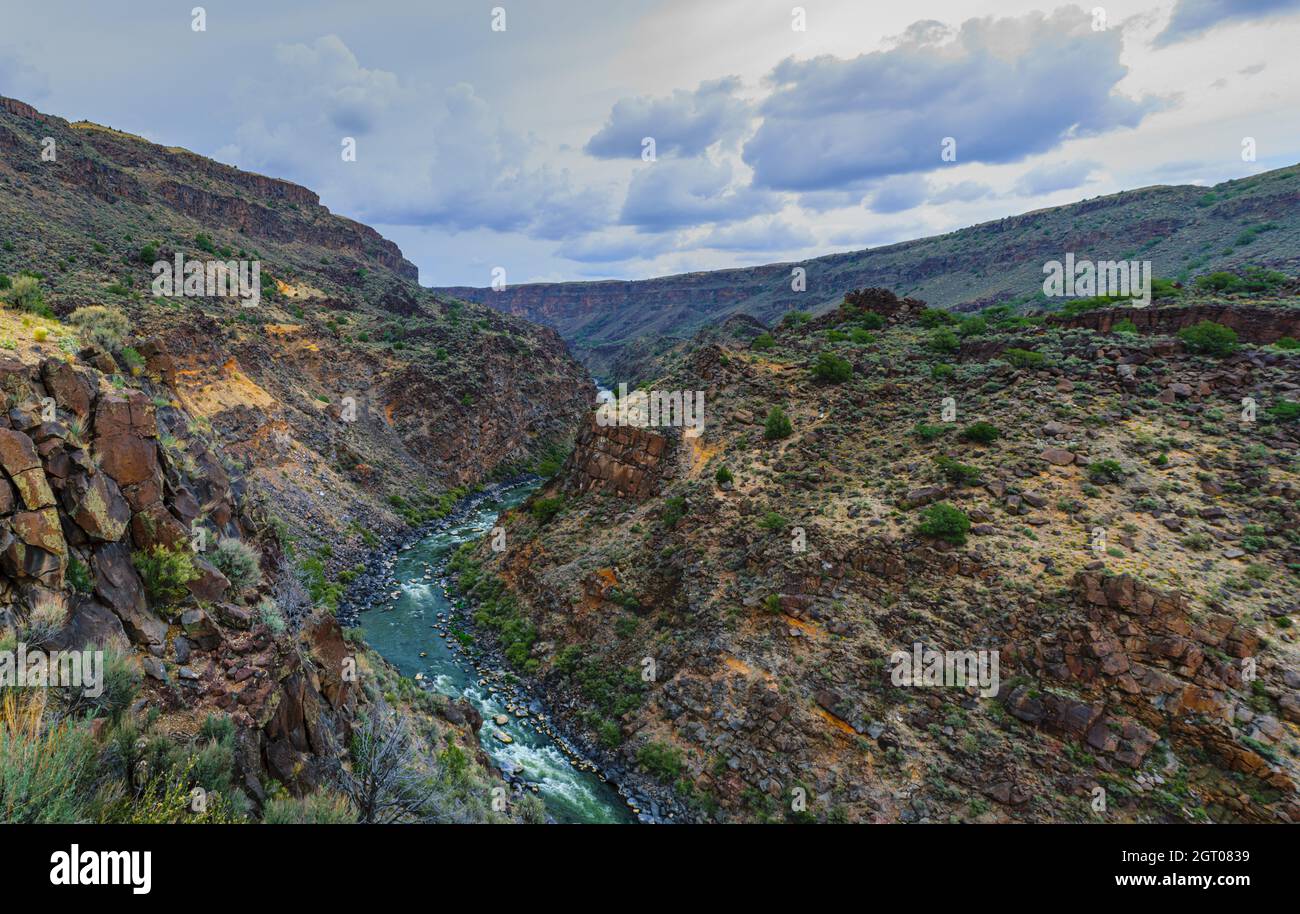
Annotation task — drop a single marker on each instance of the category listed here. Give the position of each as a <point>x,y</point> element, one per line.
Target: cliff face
<point>117,168</point>
<point>189,481</point>
<point>1101,522</point>
<point>1254,324</point>
<point>616,460</point>
<point>346,388</point>
<point>1256,220</point>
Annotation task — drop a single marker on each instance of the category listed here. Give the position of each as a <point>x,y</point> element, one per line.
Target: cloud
<point>759,235</point>
<point>962,192</point>
<point>670,194</point>
<point>899,193</point>
<point>425,156</point>
<point>1046,179</point>
<point>821,201</point>
<point>685,123</point>
<point>1192,18</point>
<point>1003,88</point>
<point>613,245</point>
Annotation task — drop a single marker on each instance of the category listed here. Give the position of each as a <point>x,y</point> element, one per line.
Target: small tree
<point>1023,358</point>
<point>943,521</point>
<point>981,433</point>
<point>384,783</point>
<point>1209,338</point>
<point>943,340</point>
<point>832,369</point>
<point>545,509</point>
<point>777,425</point>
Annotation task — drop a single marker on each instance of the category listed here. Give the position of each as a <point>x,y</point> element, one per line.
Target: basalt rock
<point>620,460</point>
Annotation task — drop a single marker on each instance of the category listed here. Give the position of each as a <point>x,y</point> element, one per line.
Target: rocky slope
<point>1180,229</point>
<point>721,612</point>
<point>191,482</point>
<point>348,390</point>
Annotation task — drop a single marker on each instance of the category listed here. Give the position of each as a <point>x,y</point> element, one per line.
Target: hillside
<point>190,482</point>
<point>1095,510</point>
<point>443,393</point>
<point>1182,230</point>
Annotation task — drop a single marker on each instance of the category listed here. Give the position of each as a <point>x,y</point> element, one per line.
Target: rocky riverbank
<point>524,704</point>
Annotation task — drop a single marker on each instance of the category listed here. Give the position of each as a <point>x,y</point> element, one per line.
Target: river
<point>413,631</point>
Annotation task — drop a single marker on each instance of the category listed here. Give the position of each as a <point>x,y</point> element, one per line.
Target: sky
<point>516,134</point>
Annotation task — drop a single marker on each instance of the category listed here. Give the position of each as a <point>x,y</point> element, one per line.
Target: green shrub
<point>1023,358</point>
<point>931,318</point>
<point>46,771</point>
<point>773,521</point>
<point>777,425</point>
<point>1104,471</point>
<point>1209,338</point>
<point>1125,326</point>
<point>972,326</point>
<point>674,510</point>
<point>724,476</point>
<point>1284,411</point>
<point>763,342</point>
<point>238,561</point>
<point>121,687</point>
<point>662,761</point>
<point>1251,279</point>
<point>831,369</point>
<point>545,509</point>
<point>321,808</point>
<point>981,433</point>
<point>79,575</point>
<point>928,432</point>
<point>870,320</point>
<point>943,521</point>
<point>943,340</point>
<point>1289,343</point>
<point>269,612</point>
<point>942,371</point>
<point>165,573</point>
<point>104,327</point>
<point>958,473</point>
<point>860,336</point>
<point>24,293</point>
